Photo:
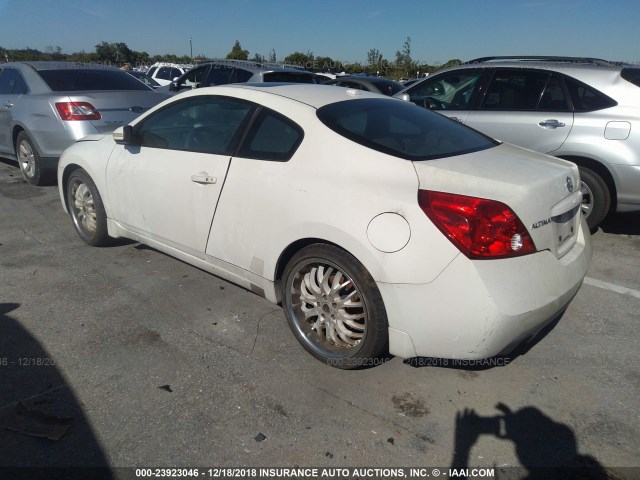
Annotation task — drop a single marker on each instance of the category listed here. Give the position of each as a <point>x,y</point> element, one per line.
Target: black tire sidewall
<point>100,237</point>
<point>601,197</point>
<point>375,342</point>
<point>37,178</point>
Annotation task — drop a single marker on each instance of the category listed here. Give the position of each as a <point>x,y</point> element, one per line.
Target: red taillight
<point>77,111</point>
<point>480,228</point>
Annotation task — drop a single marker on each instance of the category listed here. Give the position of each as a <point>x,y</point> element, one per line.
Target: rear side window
<point>292,77</point>
<point>631,75</point>
<point>515,90</point>
<point>400,129</point>
<point>11,82</point>
<point>587,99</point>
<point>73,80</point>
<point>272,137</point>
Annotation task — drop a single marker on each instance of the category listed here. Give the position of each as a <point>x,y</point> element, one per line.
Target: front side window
<point>289,77</point>
<point>272,137</point>
<point>207,124</point>
<point>515,90</point>
<point>219,75</point>
<point>447,91</point>
<point>194,78</point>
<point>401,129</point>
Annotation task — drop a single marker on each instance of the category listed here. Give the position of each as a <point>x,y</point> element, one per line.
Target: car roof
<point>314,95</point>
<point>256,66</point>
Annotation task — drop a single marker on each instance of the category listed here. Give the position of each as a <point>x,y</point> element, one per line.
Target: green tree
<point>259,58</point>
<point>237,53</point>
<point>304,60</point>
<point>272,56</point>
<point>403,57</point>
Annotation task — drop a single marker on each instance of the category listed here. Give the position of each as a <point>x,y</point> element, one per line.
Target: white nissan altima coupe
<point>378,226</point>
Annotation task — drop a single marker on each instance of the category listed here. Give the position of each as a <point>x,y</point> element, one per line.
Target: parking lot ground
<point>160,364</point>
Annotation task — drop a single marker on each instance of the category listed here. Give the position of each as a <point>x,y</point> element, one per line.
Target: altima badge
<point>569,184</point>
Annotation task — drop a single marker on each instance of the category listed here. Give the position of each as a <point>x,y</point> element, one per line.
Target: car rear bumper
<point>478,309</point>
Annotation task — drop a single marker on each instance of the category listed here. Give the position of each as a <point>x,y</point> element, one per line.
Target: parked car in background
<point>366,217</point>
<point>369,83</point>
<point>47,106</point>
<point>164,73</point>
<point>148,81</point>
<point>223,72</point>
<point>580,109</point>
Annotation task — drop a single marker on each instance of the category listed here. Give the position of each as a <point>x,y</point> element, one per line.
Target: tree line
<point>118,54</point>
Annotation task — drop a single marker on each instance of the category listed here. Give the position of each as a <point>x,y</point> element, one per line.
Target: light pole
<point>191,49</point>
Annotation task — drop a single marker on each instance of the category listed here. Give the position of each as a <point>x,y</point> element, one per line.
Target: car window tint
<point>451,90</point>
<point>272,137</point>
<point>292,77</point>
<point>204,124</point>
<point>11,82</point>
<point>587,99</point>
<point>240,75</point>
<point>401,129</point>
<point>175,73</point>
<point>164,73</point>
<point>151,70</point>
<point>193,78</point>
<point>631,74</point>
<point>553,98</point>
<point>219,75</point>
<point>71,80</point>
<point>514,90</point>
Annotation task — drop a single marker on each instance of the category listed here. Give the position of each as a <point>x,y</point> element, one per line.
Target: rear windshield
<point>631,75</point>
<point>292,77</point>
<point>401,129</point>
<point>74,80</point>
<point>386,86</point>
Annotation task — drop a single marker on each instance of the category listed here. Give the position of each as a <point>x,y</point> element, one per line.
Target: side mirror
<point>173,86</point>
<point>125,135</point>
<point>403,96</point>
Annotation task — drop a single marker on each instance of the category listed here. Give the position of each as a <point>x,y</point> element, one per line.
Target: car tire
<point>86,209</point>
<point>596,198</point>
<point>334,307</point>
<point>31,165</point>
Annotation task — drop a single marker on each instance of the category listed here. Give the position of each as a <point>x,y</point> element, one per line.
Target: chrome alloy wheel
<point>84,210</point>
<point>587,199</point>
<point>26,159</point>
<point>328,308</point>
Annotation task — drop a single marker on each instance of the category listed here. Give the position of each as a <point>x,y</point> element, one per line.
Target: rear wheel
<point>30,162</point>
<point>86,209</point>
<point>596,198</point>
<point>334,308</point>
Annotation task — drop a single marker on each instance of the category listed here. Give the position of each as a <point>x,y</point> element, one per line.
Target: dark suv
<point>581,109</point>
<point>223,72</point>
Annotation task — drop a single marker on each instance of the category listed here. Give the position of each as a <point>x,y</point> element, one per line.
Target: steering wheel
<point>432,104</point>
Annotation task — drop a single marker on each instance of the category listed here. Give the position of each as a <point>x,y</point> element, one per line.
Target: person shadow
<point>44,433</point>
<point>546,449</point>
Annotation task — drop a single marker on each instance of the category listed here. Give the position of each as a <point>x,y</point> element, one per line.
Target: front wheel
<point>334,308</point>
<point>86,209</point>
<point>596,198</point>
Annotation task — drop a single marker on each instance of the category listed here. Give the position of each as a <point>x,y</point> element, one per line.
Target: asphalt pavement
<point>126,357</point>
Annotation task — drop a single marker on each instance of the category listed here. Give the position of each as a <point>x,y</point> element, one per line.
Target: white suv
<point>581,109</point>
<point>164,73</point>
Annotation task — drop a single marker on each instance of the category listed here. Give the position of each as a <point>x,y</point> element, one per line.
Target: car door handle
<point>551,124</point>
<point>203,178</point>
<point>8,104</point>
<point>459,120</point>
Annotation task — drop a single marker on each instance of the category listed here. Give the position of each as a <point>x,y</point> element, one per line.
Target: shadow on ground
<point>44,432</point>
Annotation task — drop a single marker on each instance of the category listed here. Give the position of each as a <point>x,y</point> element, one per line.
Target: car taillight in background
<point>77,111</point>
<point>479,228</point>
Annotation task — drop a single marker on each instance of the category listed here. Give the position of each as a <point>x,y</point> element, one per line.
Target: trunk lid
<point>118,108</point>
<point>543,191</point>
